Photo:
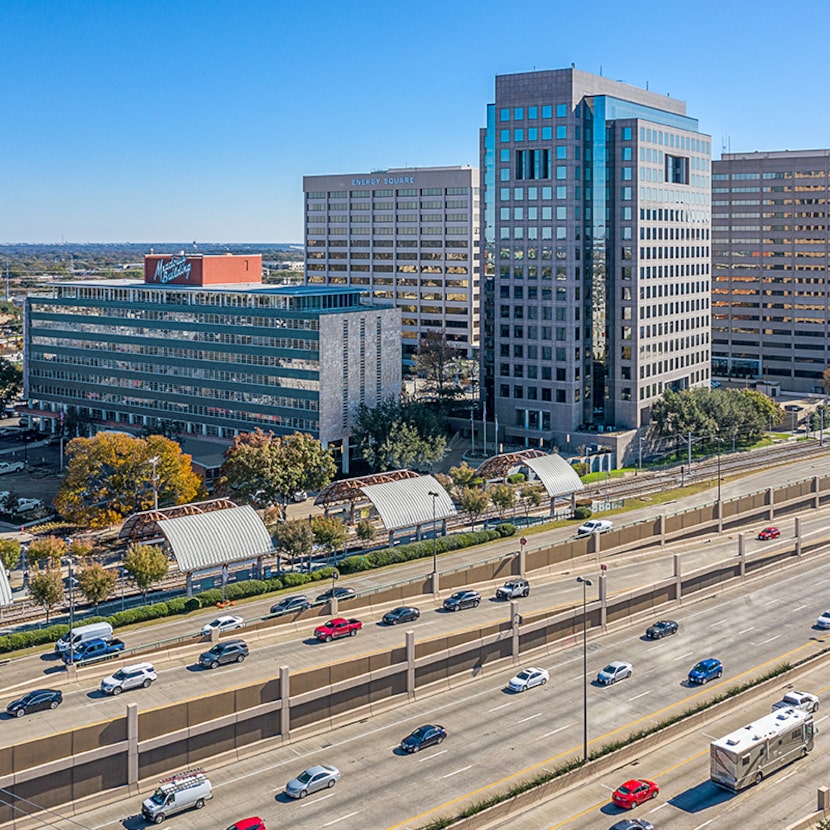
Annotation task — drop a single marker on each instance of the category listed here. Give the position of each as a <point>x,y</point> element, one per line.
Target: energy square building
<point>596,226</point>
<point>771,269</point>
<point>408,236</point>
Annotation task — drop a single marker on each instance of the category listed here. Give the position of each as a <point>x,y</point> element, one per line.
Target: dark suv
<point>513,589</point>
<point>231,651</point>
<point>462,599</point>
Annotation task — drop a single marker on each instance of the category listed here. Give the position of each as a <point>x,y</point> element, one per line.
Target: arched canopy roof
<point>145,524</point>
<point>206,540</point>
<point>5,589</point>
<point>499,466</point>
<point>351,489</point>
<point>408,503</point>
<point>556,475</point>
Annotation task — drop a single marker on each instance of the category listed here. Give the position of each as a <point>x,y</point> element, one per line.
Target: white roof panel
<point>408,503</point>
<point>557,476</point>
<point>5,589</point>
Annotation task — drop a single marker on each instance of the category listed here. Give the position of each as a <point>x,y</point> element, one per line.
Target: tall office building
<point>410,237</point>
<point>596,245</point>
<point>771,268</point>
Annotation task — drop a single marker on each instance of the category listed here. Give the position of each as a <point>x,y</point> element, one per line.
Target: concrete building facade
<point>408,236</point>
<point>596,247</point>
<point>217,358</point>
<point>771,269</point>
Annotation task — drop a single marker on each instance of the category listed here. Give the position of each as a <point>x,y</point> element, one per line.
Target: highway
<point>293,645</point>
<point>496,737</point>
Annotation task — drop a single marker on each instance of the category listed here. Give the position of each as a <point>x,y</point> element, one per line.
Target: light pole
<point>154,461</point>
<point>122,573</point>
<point>718,440</point>
<point>71,613</point>
<point>585,584</point>
<point>434,534</point>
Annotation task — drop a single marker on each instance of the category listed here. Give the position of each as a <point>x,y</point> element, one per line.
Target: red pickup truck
<point>338,627</point>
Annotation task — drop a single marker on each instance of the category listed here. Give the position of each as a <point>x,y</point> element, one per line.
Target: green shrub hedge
<point>257,587</point>
<point>581,513</point>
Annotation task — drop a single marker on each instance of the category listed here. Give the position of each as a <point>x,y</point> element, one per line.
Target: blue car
<point>706,670</point>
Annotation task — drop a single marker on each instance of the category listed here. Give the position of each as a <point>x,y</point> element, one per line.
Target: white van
<point>594,526</point>
<point>83,633</point>
<point>176,793</point>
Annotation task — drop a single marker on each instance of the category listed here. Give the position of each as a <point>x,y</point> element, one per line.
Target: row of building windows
<point>376,230</point>
<point>388,193</point>
<point>450,205</point>
<point>389,243</point>
<point>783,174</point>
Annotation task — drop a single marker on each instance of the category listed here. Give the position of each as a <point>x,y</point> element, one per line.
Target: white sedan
<point>222,624</point>
<point>824,620</point>
<point>527,679</point>
<point>613,672</point>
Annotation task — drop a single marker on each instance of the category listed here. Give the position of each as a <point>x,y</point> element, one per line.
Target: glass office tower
<point>595,199</point>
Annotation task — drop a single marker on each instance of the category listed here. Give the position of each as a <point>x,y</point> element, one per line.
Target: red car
<point>255,823</point>
<point>769,533</point>
<point>634,792</point>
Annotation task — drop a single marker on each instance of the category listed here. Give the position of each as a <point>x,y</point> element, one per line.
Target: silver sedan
<point>315,778</point>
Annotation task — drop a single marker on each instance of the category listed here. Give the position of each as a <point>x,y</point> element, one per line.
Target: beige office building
<point>409,236</point>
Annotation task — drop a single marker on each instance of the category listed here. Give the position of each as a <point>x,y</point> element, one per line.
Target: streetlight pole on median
<point>585,584</point>
<point>434,496</point>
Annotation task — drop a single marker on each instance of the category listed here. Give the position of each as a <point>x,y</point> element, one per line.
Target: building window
<point>677,169</point>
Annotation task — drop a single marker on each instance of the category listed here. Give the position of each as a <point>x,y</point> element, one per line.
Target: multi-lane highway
<point>495,737</point>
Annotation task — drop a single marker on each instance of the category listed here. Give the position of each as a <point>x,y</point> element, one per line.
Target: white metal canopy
<point>408,503</point>
<point>205,540</point>
<point>556,475</point>
<point>5,589</point>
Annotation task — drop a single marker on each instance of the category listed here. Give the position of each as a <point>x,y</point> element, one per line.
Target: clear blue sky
<point>151,120</point>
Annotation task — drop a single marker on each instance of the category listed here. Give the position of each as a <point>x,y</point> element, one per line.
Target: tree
<point>434,361</point>
<point>263,469</point>
<point>9,553</point>
<point>503,497</point>
<point>46,588</point>
<point>111,475</point>
<point>399,434</point>
<point>294,539</point>
<point>825,381</point>
<point>47,551</point>
<point>145,564</point>
<point>96,582</point>
<point>531,497</point>
<point>462,476</point>
<point>11,382</point>
<point>365,530</point>
<point>328,532</point>
<point>474,502</point>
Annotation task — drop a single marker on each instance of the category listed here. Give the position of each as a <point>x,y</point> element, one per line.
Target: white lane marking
<point>659,807</point>
<point>334,821</point>
<point>642,694</point>
<point>606,787</point>
<point>553,731</point>
<point>746,630</point>
<point>719,622</point>
<point>430,757</point>
<point>764,642</point>
<point>820,582</point>
<point>704,824</point>
<point>796,609</point>
<point>496,708</point>
<point>306,803</point>
<point>684,656</point>
<point>463,769</point>
<point>788,775</point>
<point>531,717</point>
<point>818,721</point>
<point>770,602</point>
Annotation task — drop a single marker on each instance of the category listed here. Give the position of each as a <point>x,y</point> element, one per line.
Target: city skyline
<point>131,122</point>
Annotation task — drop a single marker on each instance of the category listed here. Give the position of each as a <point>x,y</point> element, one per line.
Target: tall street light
<point>585,584</point>
<point>434,534</point>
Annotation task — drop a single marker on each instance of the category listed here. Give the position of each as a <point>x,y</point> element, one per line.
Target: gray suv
<point>230,651</point>
<point>513,588</point>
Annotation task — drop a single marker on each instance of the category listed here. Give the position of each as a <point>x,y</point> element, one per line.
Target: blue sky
<point>142,120</point>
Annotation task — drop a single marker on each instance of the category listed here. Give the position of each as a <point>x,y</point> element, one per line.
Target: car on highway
<point>634,792</point>
<point>429,734</point>
<point>11,467</point>
<point>594,526</point>
<point>318,777</point>
<point>336,593</point>
<point>402,614</point>
<point>769,533</point>
<point>229,622</point>
<point>823,620</point>
<point>618,670</point>
<point>797,700</point>
<point>297,602</point>
<point>705,670</point>
<point>35,702</point>
<point>141,675</point>
<point>632,824</point>
<point>254,823</point>
<point>660,629</point>
<point>231,651</point>
<point>527,679</point>
<point>462,599</point>
<point>513,589</point>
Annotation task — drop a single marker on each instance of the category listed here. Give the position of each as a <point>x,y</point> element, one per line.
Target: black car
<point>231,651</point>
<point>633,824</point>
<point>34,702</point>
<point>336,593</point>
<point>462,599</point>
<point>423,736</point>
<point>299,602</point>
<point>661,629</point>
<point>406,613</point>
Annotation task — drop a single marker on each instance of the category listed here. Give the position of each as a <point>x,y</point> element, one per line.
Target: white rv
<point>747,755</point>
<point>176,793</point>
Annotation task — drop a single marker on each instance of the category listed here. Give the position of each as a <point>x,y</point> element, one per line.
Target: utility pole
<point>689,458</point>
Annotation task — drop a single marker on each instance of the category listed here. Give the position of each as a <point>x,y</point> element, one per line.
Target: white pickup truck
<point>797,700</point>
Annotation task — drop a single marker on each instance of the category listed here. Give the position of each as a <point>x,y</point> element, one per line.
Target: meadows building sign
<point>202,269</point>
<point>178,269</point>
